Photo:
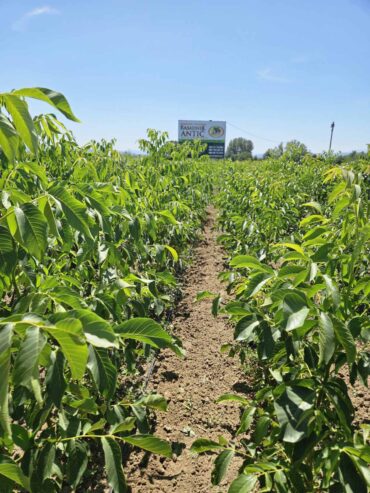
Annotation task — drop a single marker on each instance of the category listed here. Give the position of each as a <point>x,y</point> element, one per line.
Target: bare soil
<point>191,385</point>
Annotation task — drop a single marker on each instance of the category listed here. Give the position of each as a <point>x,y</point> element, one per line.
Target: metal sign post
<point>331,135</point>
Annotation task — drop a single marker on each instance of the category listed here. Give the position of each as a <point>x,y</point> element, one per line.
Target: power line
<point>252,135</point>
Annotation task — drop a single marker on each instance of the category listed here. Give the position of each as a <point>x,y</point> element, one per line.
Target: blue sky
<point>279,69</point>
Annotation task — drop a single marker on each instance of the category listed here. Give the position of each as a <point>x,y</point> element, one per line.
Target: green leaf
<point>243,484</point>
<point>216,303</point>
<point>221,464</point>
<point>362,452</point>
<point>9,140</point>
<point>14,473</point>
<point>292,246</point>
<point>8,252</point>
<point>326,338</point>
<point>153,401</point>
<point>98,331</point>
<point>242,261</point>
<point>27,356</point>
<point>290,408</point>
<point>67,296</point>
<point>113,465</point>
<point>260,431</point>
<point>173,252</point>
<point>203,295</point>
<point>22,120</point>
<point>313,218</point>
<point>256,283</point>
<point>232,398</point>
<point>6,334</point>
<point>144,330</point>
<point>127,424</point>
<point>244,329</point>
<point>31,229</point>
<point>70,336</point>
<point>55,99</point>
<point>74,210</point>
<point>314,205</point>
<point>103,371</point>
<point>295,311</point>
<point>351,480</point>
<point>169,216</point>
<point>246,420</point>
<point>21,437</point>
<point>204,445</point>
<point>332,290</point>
<point>77,462</point>
<point>55,381</point>
<point>345,338</point>
<point>45,207</point>
<point>151,444</point>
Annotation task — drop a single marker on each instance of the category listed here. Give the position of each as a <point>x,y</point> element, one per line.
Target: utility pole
<point>331,135</point>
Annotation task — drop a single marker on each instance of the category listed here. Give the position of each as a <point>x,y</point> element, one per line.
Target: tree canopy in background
<point>239,149</point>
<point>294,150</point>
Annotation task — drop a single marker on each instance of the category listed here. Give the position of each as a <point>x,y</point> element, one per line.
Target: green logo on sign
<point>216,131</point>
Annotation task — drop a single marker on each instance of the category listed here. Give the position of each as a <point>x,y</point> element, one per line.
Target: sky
<point>275,69</point>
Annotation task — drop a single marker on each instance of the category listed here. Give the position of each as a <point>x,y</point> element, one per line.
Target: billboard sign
<point>210,132</point>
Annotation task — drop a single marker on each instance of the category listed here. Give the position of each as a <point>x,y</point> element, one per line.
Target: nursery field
<point>168,323</point>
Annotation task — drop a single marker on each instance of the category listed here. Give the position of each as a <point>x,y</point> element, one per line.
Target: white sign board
<point>210,132</point>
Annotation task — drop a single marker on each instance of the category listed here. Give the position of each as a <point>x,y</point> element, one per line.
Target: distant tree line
<point>240,149</point>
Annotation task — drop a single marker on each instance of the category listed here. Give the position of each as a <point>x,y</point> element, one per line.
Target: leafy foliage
<point>239,149</point>
<point>299,270</point>
<point>90,246</point>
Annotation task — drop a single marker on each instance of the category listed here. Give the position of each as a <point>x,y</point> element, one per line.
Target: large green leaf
<point>153,401</point>
<point>151,444</point>
<point>144,330</point>
<point>351,480</point>
<point>30,228</point>
<point>326,338</point>
<point>221,464</point>
<point>27,356</point>
<point>290,409</point>
<point>98,331</point>
<point>6,333</point>
<point>9,140</point>
<point>14,473</point>
<point>295,311</point>
<point>243,484</point>
<point>55,380</point>
<point>103,371</point>
<point>71,338</point>
<point>54,98</point>
<point>242,261</point>
<point>256,283</point>
<point>22,120</point>
<point>204,445</point>
<point>245,328</point>
<point>246,420</point>
<point>78,455</point>
<point>8,252</point>
<point>345,338</point>
<point>113,465</point>
<point>74,210</point>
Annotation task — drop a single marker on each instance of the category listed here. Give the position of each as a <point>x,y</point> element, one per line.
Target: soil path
<point>192,384</point>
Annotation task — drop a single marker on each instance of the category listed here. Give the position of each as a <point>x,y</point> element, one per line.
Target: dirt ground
<point>192,384</point>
